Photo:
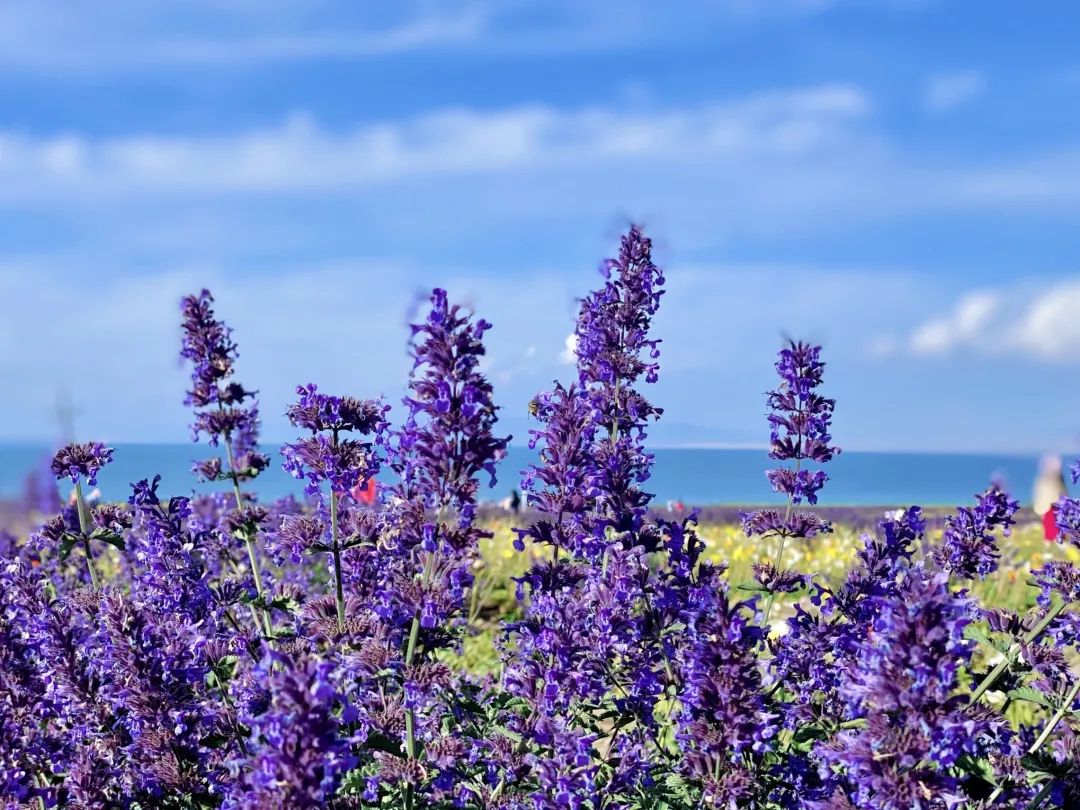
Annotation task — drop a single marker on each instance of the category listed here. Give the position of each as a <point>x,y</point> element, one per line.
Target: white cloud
<point>1049,327</point>
<point>882,346</point>
<point>569,353</point>
<point>302,155</point>
<point>964,326</point>
<point>951,90</point>
<point>45,36</point>
<point>1039,324</point>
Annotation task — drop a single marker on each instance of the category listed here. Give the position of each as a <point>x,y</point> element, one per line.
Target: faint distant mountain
<point>664,434</point>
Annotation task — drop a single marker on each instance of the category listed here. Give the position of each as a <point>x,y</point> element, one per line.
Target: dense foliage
<point>218,651</point>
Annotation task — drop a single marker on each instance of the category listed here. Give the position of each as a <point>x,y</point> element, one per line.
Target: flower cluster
<point>799,422</point>
<point>221,413</point>
<point>218,651</point>
<point>325,455</point>
<point>81,461</point>
<point>968,549</point>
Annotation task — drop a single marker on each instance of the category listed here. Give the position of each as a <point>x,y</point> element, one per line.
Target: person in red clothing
<point>366,491</point>
<point>1049,487</point>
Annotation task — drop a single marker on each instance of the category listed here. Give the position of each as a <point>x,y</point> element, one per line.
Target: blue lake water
<point>694,476</point>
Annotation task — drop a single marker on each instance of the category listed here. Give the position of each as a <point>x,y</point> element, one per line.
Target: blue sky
<point>898,180</point>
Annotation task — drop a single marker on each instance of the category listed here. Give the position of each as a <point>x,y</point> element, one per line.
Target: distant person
<point>515,501</point>
<point>366,492</point>
<point>1049,487</point>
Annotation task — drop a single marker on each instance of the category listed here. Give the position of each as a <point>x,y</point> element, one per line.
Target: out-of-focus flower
<point>78,461</point>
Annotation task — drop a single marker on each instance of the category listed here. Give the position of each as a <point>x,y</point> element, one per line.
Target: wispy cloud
<point>950,90</point>
<point>47,36</point>
<point>301,154</point>
<point>965,326</point>
<point>1034,323</point>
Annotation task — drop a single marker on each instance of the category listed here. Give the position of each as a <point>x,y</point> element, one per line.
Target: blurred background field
<point>829,558</point>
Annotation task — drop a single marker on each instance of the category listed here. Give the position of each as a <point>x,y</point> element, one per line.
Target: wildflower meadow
<point>415,651</point>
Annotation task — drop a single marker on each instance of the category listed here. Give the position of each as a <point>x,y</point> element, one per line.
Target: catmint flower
<point>771,522</point>
<point>1057,576</point>
<point>302,749</point>
<point>325,456</point>
<point>1067,516</point>
<point>77,461</point>
<point>902,679</point>
<point>221,413</point>
<point>296,535</point>
<point>775,580</point>
<point>968,548</point>
<point>799,422</point>
<point>614,351</point>
<point>208,345</point>
<point>319,412</point>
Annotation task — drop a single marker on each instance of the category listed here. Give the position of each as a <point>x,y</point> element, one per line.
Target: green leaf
<point>977,767</point>
<point>979,635</point>
<point>112,538</point>
<point>1042,762</point>
<point>67,543</point>
<point>214,740</point>
<point>754,587</point>
<point>1033,696</point>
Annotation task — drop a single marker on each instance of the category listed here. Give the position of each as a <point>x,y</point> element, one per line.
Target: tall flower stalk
<point>590,645</point>
<point>332,456</point>
<point>445,444</point>
<point>799,419</point>
<point>79,462</point>
<point>225,412</point>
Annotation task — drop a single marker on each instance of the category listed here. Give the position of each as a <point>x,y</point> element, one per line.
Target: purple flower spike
<point>220,412</point>
<point>78,461</point>
<point>327,456</point>
<point>968,547</point>
<point>799,422</point>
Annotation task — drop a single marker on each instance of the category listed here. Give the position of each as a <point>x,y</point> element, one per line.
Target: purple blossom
<point>220,412</point>
<point>800,416</point>
<point>301,749</point>
<point>770,522</point>
<point>1057,576</point>
<point>319,412</point>
<point>1067,516</point>
<point>968,548</point>
<point>76,461</point>
<point>296,535</point>
<point>632,674</point>
<point>343,463</point>
<point>208,346</point>
<point>799,421</point>
<point>902,680</point>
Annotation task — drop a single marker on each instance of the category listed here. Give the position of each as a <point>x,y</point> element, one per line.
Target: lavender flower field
<point>413,651</point>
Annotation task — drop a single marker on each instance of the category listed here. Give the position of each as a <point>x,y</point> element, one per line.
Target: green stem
<point>1042,738</point>
<point>1038,800</point>
<point>1058,715</point>
<point>339,590</point>
<point>84,528</point>
<point>780,551</point>
<point>410,720</point>
<point>1006,662</point>
<point>772,594</point>
<point>248,544</point>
